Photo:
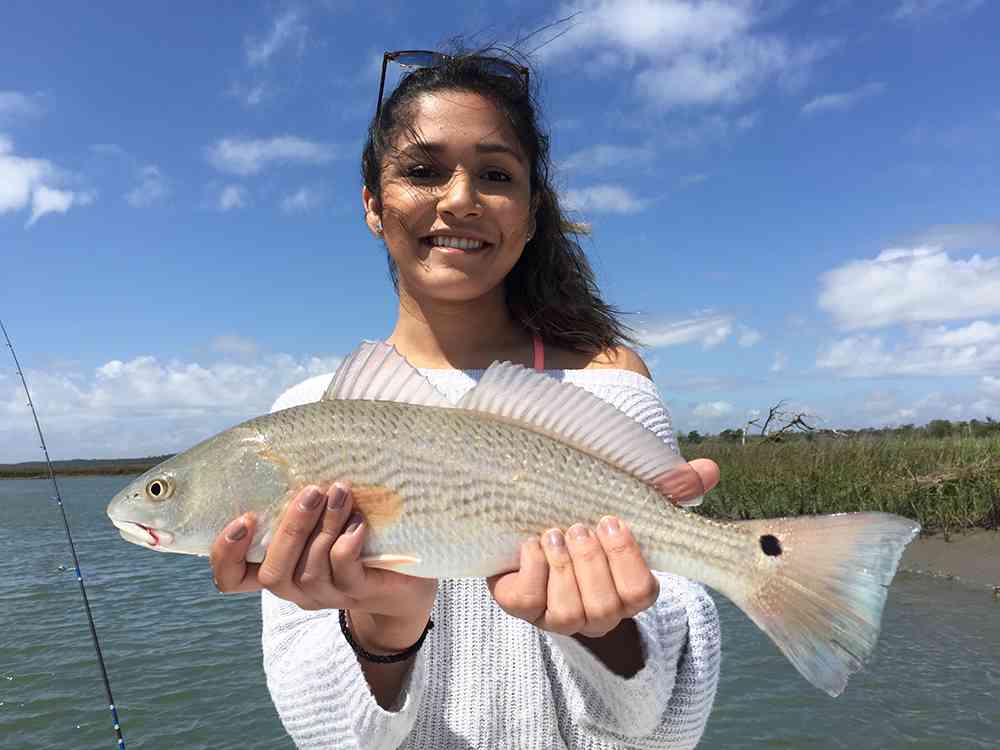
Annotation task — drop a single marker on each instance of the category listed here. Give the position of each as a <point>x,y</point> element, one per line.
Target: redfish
<point>451,490</point>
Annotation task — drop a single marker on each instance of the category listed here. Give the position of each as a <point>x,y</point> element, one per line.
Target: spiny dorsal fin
<point>570,414</point>
<point>376,371</point>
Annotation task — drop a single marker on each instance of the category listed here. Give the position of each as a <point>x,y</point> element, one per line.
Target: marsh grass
<point>948,484</point>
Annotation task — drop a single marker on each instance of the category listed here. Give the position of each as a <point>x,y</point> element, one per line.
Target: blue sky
<point>798,200</point>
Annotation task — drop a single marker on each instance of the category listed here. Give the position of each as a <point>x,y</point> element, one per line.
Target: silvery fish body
<point>451,491</point>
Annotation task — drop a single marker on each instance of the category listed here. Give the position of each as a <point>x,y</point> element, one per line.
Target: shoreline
<point>968,557</point>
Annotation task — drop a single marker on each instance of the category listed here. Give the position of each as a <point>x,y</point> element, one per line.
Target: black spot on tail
<point>770,545</point>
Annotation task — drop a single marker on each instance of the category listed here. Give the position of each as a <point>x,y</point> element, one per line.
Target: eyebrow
<point>483,147</point>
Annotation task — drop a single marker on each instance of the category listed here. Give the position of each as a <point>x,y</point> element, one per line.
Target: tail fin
<point>825,580</point>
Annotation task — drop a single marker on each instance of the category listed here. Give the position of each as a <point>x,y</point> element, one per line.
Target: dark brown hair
<point>551,289</point>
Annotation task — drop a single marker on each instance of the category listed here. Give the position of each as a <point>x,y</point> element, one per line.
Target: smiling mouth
<point>456,244</point>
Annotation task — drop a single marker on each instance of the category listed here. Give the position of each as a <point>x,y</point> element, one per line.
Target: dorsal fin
<point>571,414</point>
<point>376,371</point>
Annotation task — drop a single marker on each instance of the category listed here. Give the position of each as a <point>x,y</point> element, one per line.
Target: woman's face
<point>456,199</point>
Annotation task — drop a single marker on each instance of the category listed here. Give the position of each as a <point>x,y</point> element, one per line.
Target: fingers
<point>524,592</point>
<point>564,607</point>
<point>290,538</point>
<point>584,581</point>
<point>602,608</point>
<point>708,471</point>
<point>349,575</point>
<point>683,484</point>
<point>315,565</point>
<point>635,585</point>
<point>230,570</point>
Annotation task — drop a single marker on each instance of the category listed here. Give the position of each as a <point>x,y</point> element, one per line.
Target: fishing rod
<point>72,547</point>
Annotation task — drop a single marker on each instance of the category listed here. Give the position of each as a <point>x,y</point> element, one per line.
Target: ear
<point>373,216</point>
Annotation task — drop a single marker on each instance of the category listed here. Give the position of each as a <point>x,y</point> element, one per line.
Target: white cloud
<point>911,285</point>
<point>251,94</point>
<point>911,10</point>
<point>892,410</point>
<point>977,333</point>
<point>152,188</point>
<point>958,237</point>
<point>288,30</point>
<point>604,155</point>
<point>232,196</point>
<point>780,362</point>
<point>302,200</point>
<point>247,156</point>
<point>708,330</point>
<point>683,52</point>
<point>748,336</point>
<point>843,100</point>
<point>713,409</point>
<point>990,385</point>
<point>15,105</point>
<point>34,183</point>
<point>144,406</point>
<point>46,200</point>
<point>870,356</point>
<point>233,344</point>
<point>603,199</point>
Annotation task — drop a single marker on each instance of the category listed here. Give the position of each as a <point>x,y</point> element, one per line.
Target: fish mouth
<point>139,533</point>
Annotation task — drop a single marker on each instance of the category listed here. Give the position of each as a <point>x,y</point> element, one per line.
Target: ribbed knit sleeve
<point>666,703</point>
<point>318,688</point>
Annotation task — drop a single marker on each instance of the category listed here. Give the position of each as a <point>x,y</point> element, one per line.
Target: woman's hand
<point>585,582</point>
<point>314,561</point>
<point>689,481</point>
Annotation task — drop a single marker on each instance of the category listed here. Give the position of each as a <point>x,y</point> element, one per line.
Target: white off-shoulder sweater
<point>484,679</point>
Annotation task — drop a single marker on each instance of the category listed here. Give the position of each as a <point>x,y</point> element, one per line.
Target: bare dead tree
<point>780,420</point>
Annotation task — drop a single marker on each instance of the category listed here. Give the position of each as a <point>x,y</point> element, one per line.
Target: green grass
<point>947,484</point>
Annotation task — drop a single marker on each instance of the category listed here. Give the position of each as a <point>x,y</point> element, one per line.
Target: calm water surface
<point>186,673</point>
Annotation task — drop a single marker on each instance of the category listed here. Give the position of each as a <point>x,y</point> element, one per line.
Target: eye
<point>496,175</point>
<point>420,172</point>
<point>159,489</point>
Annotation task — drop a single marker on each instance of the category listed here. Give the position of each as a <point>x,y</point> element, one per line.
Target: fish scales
<point>457,502</point>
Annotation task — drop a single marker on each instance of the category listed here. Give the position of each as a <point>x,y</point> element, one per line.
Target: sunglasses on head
<point>416,58</point>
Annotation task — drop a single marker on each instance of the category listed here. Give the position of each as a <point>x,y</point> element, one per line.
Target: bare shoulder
<point>619,358</point>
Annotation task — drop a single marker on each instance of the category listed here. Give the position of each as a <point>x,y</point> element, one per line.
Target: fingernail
<point>610,525</point>
<point>578,531</point>
<point>355,523</point>
<point>312,499</point>
<point>236,530</point>
<point>555,538</point>
<point>337,501</point>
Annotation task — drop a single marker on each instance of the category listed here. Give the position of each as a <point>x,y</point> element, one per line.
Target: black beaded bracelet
<point>381,658</point>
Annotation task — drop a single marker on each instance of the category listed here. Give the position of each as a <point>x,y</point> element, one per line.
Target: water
<point>185,662</point>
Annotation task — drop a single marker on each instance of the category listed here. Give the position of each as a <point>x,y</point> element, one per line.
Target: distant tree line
<point>936,428</point>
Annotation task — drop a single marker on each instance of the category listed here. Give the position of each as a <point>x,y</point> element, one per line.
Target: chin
<point>457,288</point>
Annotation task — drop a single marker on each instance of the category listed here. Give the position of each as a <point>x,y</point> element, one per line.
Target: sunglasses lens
<point>498,68</point>
<point>419,59</point>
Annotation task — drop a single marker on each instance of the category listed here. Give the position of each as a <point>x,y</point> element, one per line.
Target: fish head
<point>182,504</point>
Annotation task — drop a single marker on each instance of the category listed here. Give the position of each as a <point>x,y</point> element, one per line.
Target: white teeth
<point>459,242</point>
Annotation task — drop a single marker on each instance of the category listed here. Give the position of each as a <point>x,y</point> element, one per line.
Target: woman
<point>583,646</point>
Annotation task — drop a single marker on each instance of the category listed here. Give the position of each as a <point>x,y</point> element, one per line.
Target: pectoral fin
<point>390,562</point>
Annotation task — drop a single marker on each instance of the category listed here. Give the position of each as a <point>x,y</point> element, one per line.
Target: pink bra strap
<point>539,363</point>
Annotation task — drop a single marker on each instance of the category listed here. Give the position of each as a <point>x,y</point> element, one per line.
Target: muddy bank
<point>970,557</point>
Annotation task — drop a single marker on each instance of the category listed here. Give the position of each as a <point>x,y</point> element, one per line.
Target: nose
<point>460,198</point>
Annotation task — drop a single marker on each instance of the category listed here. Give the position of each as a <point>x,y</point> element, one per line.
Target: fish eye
<point>159,489</point>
